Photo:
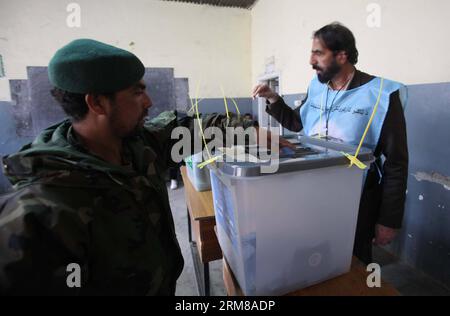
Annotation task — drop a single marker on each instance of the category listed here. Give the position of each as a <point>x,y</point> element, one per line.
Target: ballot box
<point>292,228</point>
<point>200,178</point>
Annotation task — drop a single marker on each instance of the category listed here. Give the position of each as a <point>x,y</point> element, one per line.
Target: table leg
<point>206,278</point>
<point>189,226</point>
<point>202,279</point>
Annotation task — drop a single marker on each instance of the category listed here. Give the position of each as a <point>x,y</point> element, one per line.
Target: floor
<point>404,278</point>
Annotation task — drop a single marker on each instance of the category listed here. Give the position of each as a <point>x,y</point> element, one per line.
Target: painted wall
<point>33,109</point>
<point>408,47</point>
<point>424,241</point>
<point>10,141</point>
<point>208,45</point>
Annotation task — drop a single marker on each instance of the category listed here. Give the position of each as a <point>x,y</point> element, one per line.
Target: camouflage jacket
<point>115,223</point>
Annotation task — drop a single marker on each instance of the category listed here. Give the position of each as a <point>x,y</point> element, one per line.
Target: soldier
<point>91,190</point>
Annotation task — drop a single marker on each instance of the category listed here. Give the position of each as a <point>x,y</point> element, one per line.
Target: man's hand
<point>281,141</point>
<point>285,143</point>
<point>264,91</point>
<point>384,235</point>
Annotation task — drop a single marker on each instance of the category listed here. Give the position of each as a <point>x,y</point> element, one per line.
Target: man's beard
<point>138,128</point>
<point>135,131</point>
<point>329,73</point>
<point>116,123</point>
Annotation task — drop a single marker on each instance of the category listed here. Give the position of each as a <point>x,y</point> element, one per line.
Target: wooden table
<point>206,248</point>
<point>352,283</point>
<point>201,220</point>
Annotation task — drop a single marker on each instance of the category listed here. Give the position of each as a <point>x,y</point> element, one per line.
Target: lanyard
<point>328,111</point>
<point>353,158</point>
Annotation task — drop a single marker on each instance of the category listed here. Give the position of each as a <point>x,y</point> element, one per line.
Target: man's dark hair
<point>336,38</point>
<point>74,104</point>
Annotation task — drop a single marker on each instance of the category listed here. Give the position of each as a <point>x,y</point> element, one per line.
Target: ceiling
<point>244,4</point>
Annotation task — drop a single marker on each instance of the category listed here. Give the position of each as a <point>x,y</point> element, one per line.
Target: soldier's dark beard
<point>116,122</point>
<point>329,72</point>
<point>134,132</point>
<point>138,126</point>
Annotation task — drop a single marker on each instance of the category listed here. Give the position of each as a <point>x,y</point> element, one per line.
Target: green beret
<point>88,66</point>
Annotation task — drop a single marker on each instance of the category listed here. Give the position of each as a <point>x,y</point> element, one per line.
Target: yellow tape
<point>207,162</point>
<point>237,108</point>
<point>226,103</point>
<point>211,159</point>
<point>354,159</point>
<point>200,123</point>
<point>193,105</point>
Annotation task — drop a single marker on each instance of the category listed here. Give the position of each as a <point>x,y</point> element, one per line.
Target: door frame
<point>262,115</point>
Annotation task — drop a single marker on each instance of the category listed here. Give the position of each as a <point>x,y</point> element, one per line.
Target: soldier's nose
<point>148,102</point>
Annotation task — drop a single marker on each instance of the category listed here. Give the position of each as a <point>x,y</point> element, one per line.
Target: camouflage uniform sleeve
<point>38,240</point>
<point>159,130</point>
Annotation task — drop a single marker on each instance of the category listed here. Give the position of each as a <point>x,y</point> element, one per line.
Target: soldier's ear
<point>97,103</point>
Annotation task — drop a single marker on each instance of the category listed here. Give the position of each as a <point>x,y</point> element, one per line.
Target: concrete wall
<point>408,46</point>
<point>424,241</point>
<point>208,45</point>
<point>10,141</point>
<point>32,108</point>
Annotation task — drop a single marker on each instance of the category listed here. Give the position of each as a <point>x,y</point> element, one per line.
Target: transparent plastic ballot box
<point>284,231</point>
<point>200,178</point>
